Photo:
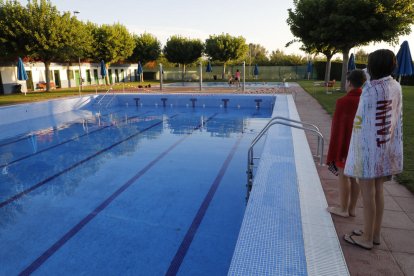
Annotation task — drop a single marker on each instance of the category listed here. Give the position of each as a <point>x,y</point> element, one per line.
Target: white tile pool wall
<point>21,112</point>
<point>41,115</point>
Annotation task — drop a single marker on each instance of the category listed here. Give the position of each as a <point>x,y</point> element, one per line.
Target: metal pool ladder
<point>107,102</point>
<point>278,120</point>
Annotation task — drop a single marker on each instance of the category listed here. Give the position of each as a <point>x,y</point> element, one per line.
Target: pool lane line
<point>64,142</point>
<point>44,181</point>
<point>27,136</point>
<point>189,236</point>
<point>74,230</point>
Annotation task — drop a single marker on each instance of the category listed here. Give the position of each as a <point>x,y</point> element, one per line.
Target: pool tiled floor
<point>395,255</point>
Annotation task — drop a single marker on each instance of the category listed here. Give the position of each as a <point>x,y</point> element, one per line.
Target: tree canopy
<point>279,58</point>
<point>12,44</point>
<point>257,54</point>
<point>345,24</point>
<point>41,32</point>
<point>147,48</point>
<point>225,47</point>
<point>112,43</point>
<point>183,50</point>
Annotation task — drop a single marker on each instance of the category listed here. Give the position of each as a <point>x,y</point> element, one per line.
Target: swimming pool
<point>153,185</point>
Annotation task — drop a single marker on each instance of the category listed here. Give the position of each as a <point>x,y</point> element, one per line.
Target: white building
<point>63,75</point>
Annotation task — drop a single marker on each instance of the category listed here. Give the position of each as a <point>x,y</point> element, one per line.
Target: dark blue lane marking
<point>188,238</point>
<point>21,138</point>
<point>41,183</point>
<point>64,142</point>
<point>72,232</point>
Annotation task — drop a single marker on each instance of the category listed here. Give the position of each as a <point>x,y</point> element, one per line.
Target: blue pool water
<point>131,190</point>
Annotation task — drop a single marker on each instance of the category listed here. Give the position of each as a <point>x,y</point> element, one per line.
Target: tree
<point>350,23</point>
<point>380,20</point>
<point>183,50</point>
<point>361,57</point>
<point>12,43</point>
<point>278,57</point>
<point>147,48</point>
<point>306,24</point>
<point>112,43</point>
<point>257,54</point>
<point>41,32</point>
<point>224,48</point>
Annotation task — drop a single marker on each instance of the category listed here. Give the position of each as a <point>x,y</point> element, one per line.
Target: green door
<point>77,77</point>
<point>110,76</point>
<point>116,76</point>
<point>1,85</point>
<point>95,76</point>
<point>88,76</point>
<point>57,78</point>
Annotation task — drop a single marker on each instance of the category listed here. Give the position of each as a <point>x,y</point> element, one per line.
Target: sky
<point>258,21</point>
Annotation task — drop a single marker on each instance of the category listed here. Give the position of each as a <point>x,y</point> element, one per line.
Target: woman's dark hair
<point>356,78</point>
<point>381,63</point>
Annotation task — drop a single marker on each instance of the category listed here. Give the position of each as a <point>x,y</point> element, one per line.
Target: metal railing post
<point>286,122</point>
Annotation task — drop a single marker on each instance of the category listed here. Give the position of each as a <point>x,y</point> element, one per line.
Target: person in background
<point>341,130</point>
<point>376,147</point>
<point>231,80</point>
<point>237,77</point>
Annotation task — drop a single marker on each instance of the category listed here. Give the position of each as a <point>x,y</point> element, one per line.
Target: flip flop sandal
<point>350,240</point>
<point>358,232</point>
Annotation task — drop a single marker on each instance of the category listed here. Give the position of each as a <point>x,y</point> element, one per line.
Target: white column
<point>244,75</point>
<point>161,76</point>
<point>80,78</point>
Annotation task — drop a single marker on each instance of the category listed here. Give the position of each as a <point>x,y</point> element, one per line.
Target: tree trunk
<point>223,76</point>
<point>328,69</point>
<point>47,73</point>
<point>183,73</point>
<point>67,73</point>
<point>345,59</point>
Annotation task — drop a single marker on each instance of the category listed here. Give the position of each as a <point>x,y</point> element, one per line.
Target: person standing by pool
<point>237,77</point>
<point>376,148</point>
<point>341,130</point>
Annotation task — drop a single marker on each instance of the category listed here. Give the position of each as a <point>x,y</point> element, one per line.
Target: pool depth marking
<point>65,142</point>
<point>189,236</point>
<point>44,181</point>
<point>72,232</point>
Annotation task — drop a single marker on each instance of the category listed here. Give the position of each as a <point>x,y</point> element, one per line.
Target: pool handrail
<point>291,123</point>
<point>106,93</point>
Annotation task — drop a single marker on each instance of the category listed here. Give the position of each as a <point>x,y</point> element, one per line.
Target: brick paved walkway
<point>395,255</point>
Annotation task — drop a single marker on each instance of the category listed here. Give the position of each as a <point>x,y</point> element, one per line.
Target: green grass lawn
<point>328,103</point>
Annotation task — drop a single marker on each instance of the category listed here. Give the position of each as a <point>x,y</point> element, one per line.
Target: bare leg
<point>379,205</point>
<point>354,196</point>
<point>344,192</point>
<point>368,197</point>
